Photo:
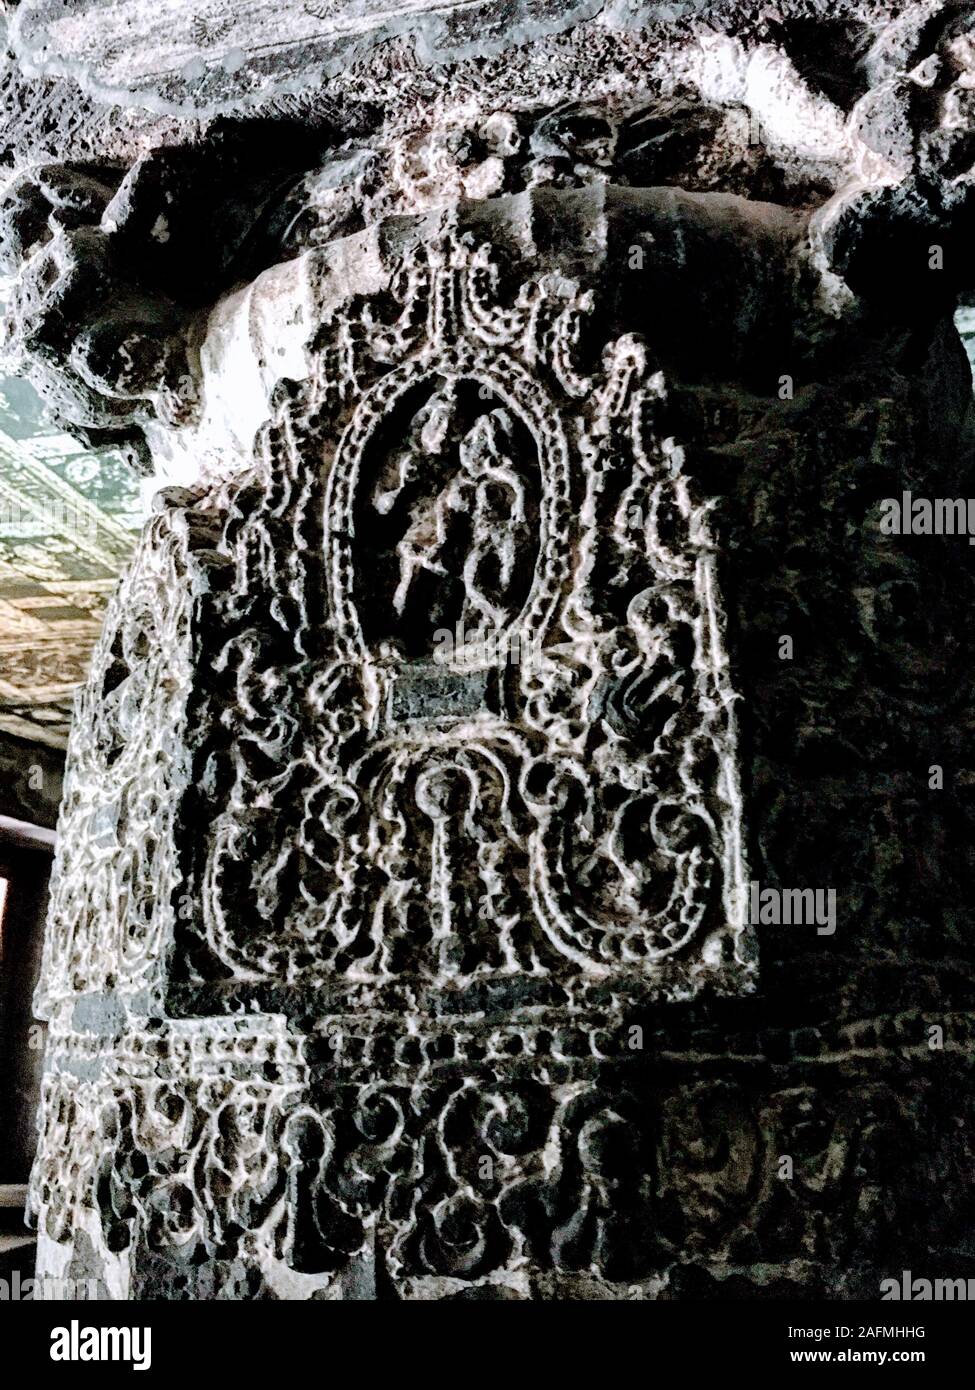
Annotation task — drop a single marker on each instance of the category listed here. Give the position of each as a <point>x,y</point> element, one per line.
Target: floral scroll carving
<point>554,786</point>
<point>424,739</point>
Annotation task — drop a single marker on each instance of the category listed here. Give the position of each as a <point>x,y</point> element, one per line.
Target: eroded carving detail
<point>456,866</point>
<point>552,787</point>
<point>349,1002</point>
<point>223,1161</point>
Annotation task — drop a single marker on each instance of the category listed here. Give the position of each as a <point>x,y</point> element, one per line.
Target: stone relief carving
<point>439,852</point>
<point>559,782</point>
<point>225,1163</point>
<point>126,767</point>
<point>358,929</point>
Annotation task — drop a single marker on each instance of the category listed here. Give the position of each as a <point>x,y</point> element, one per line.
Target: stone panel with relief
<point>507,414</point>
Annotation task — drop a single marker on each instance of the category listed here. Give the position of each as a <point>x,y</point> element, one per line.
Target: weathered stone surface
<point>382,964</point>
<point>214,56</point>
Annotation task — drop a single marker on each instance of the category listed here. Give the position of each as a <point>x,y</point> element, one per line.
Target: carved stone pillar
<point>401,941</point>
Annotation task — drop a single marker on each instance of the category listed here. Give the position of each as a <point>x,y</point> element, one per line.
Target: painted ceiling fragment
<point>68,522</point>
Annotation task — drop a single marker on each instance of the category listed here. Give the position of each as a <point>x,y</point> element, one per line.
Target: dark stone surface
<point>31,777</point>
<point>289,1100</point>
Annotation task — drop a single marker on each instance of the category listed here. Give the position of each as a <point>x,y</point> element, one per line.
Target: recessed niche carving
<point>551,793</point>
<point>446,521</point>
